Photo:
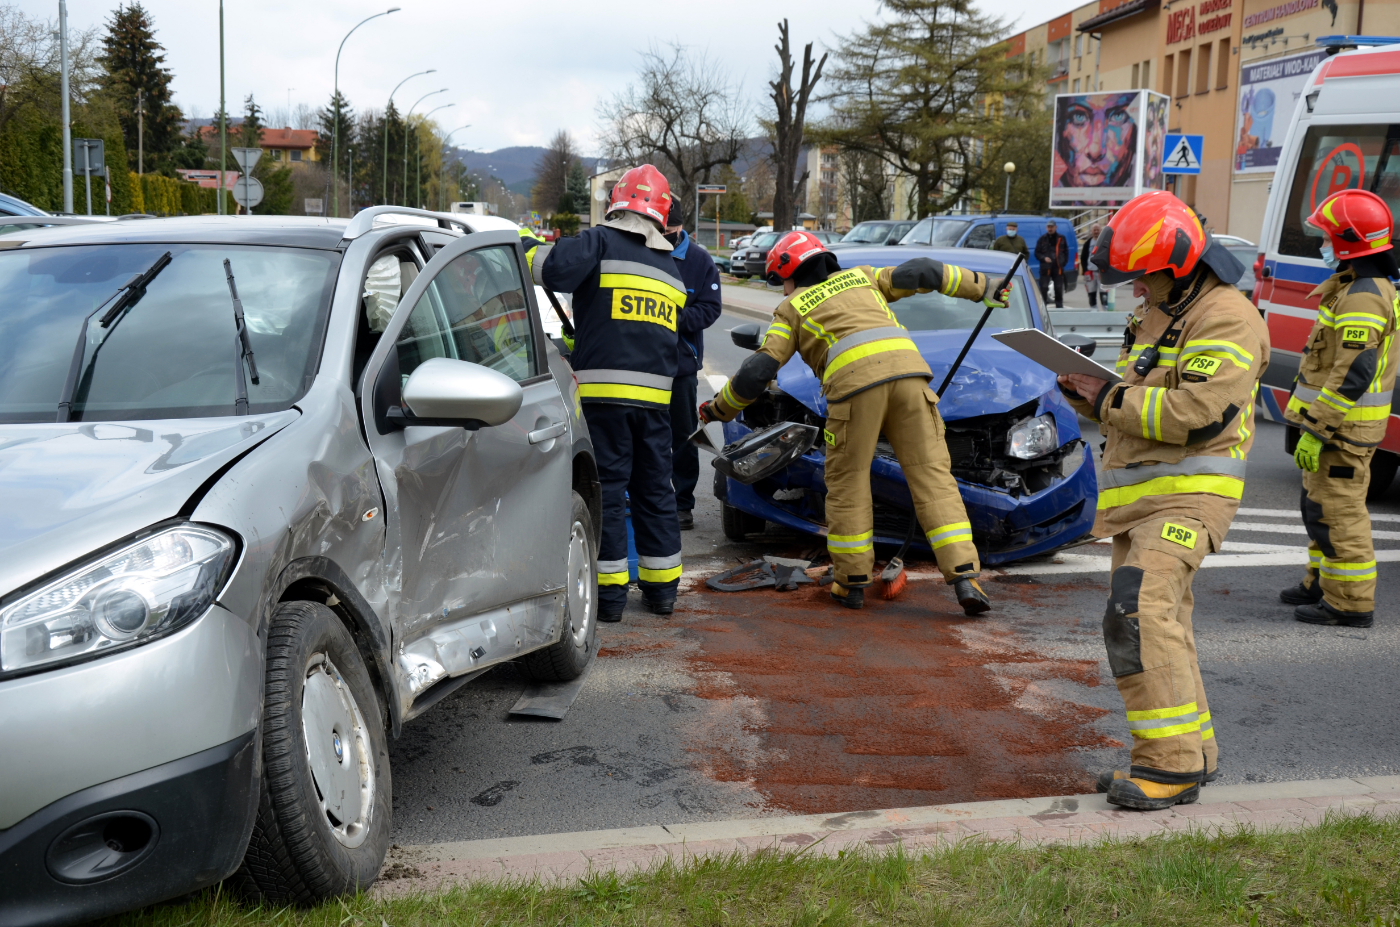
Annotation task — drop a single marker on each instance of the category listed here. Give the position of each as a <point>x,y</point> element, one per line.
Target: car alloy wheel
<point>582,588</point>
<point>339,751</point>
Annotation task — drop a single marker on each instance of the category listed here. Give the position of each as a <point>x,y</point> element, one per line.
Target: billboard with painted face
<point>1107,147</point>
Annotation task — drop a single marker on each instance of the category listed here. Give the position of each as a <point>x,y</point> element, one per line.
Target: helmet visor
<point>1108,274</point>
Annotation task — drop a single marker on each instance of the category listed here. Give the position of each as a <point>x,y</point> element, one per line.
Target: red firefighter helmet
<point>1356,222</point>
<point>643,190</point>
<point>788,253</point>
<point>1154,231</point>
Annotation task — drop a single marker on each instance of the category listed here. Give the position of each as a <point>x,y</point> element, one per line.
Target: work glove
<point>1309,447</point>
<point>1000,300</point>
<point>709,412</point>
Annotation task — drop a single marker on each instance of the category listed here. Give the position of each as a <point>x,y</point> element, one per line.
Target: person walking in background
<point>1092,284</point>
<point>1011,242</point>
<point>702,308</point>
<point>1052,251</point>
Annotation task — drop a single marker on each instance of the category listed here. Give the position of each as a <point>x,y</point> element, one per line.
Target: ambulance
<point>1345,134</point>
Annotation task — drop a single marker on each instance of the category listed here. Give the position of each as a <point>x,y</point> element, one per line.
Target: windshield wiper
<point>126,297</point>
<point>241,348</point>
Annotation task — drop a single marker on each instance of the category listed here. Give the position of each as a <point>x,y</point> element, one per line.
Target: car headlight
<point>1033,437</point>
<point>143,591</point>
<point>763,453</point>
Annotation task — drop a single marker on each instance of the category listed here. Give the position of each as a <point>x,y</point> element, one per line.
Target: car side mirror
<point>1081,343</point>
<point>746,336</point>
<point>448,392</point>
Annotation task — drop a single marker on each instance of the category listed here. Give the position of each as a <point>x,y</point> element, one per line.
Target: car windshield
<point>929,312</point>
<point>868,232</point>
<point>764,241</point>
<point>933,231</point>
<point>172,354</point>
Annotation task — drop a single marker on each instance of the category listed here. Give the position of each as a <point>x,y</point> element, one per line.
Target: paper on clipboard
<point>1049,353</point>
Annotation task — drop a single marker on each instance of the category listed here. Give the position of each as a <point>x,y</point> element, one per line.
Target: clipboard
<point>1049,353</point>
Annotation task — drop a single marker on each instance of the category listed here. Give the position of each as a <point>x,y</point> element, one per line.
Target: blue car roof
<point>985,261</point>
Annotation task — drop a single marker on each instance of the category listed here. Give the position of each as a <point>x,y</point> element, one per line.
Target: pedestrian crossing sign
<point>1182,154</point>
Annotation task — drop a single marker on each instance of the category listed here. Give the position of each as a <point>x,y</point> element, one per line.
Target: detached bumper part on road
<point>132,841</point>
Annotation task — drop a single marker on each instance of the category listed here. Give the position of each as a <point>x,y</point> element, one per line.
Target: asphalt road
<point>762,703</point>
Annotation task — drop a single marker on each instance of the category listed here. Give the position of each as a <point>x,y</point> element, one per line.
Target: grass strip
<point>1345,871</point>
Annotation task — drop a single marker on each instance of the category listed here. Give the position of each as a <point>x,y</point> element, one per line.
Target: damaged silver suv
<point>272,488</point>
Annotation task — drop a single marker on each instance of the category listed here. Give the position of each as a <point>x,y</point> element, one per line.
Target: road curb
<point>1070,818</point>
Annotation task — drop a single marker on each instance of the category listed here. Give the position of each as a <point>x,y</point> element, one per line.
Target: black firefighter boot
<point>1302,594</point>
<point>1322,613</point>
<point>1148,795</point>
<point>971,597</point>
<point>853,597</point>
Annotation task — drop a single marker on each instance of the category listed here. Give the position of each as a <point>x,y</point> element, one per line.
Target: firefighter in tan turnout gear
<point>1178,429</point>
<point>875,382</point>
<point>1341,401</point>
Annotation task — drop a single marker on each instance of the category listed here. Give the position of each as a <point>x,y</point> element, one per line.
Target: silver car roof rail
<point>52,220</point>
<point>363,221</point>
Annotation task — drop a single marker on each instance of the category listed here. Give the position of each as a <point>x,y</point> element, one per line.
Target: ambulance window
<point>1338,158</point>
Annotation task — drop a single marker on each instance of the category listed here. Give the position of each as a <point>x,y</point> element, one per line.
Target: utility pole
<point>335,100</point>
<point>67,120</point>
<point>140,131</point>
<point>223,114</point>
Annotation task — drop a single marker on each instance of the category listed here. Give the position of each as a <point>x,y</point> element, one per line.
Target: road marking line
<point>1299,529</point>
<point>1081,563</point>
<point>1293,513</point>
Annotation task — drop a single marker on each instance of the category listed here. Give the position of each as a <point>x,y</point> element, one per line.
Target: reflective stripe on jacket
<point>1347,372</point>
<point>627,301</point>
<point>1177,438</point>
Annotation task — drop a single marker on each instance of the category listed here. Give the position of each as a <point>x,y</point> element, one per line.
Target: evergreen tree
<point>134,76</point>
<point>575,189</point>
<point>192,152</point>
<point>325,125</point>
<point>249,134</point>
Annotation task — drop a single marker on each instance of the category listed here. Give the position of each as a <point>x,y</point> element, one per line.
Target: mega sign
<point>1198,20</point>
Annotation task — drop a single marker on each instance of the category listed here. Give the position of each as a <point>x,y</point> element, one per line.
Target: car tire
<point>738,524</point>
<point>1383,467</point>
<point>322,733</point>
<point>568,657</point>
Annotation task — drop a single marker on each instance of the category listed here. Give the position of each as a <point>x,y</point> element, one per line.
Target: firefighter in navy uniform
<point>1177,430</point>
<point>875,382</point>
<point>627,298</point>
<point>1341,401</point>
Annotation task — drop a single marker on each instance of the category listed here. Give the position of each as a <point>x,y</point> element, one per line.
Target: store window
<point>1333,158</point>
<point>1203,69</point>
<point>1183,72</point>
<point>1222,65</point>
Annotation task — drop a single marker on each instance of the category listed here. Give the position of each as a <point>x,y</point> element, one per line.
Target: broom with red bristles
<point>892,576</point>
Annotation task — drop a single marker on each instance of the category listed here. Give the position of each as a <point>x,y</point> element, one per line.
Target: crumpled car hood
<point>70,489</point>
<point>993,378</point>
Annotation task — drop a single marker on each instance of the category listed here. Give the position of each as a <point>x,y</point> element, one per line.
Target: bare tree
<point>552,173</point>
<point>29,63</point>
<point>681,115</point>
<point>791,111</point>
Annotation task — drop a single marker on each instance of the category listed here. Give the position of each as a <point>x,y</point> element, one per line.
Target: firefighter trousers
<point>905,411</point>
<point>1341,554</point>
<point>1152,649</point>
<point>633,449</point>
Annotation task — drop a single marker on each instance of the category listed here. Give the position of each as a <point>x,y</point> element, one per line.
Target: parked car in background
<point>1246,251</point>
<point>1021,464</point>
<point>875,232</point>
<point>981,231</point>
<point>228,577</point>
<point>14,206</point>
<point>750,262</point>
<point>825,236</point>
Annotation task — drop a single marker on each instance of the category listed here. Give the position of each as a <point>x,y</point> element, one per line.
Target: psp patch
<point>1178,534</point>
<point>1200,368</point>
<point>1355,338</point>
<point>641,306</point>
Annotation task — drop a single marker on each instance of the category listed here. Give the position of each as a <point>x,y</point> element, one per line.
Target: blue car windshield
<point>171,355</point>
<point>927,312</point>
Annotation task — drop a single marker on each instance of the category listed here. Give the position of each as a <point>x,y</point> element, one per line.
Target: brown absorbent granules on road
<point>888,706</point>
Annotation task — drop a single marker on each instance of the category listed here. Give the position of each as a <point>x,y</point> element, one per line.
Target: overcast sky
<point>517,72</point>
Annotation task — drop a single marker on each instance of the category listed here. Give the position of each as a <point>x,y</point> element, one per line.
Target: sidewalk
<point>750,301</point>
<point>1077,818</point>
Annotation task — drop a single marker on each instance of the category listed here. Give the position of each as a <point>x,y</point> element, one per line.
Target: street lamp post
<point>406,117</point>
<point>1010,169</point>
<point>418,152</point>
<point>386,128</point>
<point>63,88</point>
<point>446,146</point>
<point>335,104</point>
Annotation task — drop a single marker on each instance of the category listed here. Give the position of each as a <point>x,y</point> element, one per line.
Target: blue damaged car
<point>1026,476</point>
